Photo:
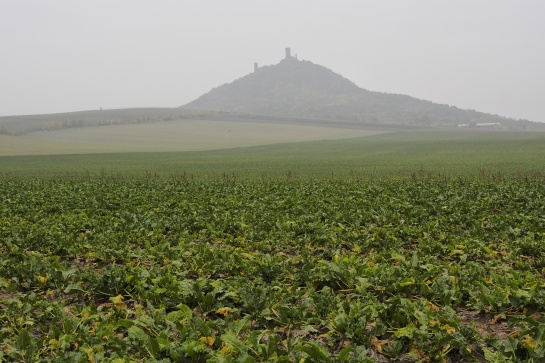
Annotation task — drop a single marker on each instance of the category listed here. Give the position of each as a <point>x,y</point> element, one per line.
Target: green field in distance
<point>386,155</point>
<point>178,135</point>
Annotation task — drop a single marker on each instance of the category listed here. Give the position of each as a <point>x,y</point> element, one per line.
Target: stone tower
<point>288,53</point>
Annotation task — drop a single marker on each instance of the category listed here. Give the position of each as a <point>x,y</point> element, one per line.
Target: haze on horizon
<point>61,55</point>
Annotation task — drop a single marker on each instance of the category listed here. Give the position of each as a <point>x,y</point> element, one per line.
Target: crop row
<point>244,271</point>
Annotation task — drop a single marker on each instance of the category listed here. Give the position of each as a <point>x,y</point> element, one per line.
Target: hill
<point>298,88</point>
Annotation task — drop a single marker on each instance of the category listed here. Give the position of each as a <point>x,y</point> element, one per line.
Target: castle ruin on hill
<point>287,56</point>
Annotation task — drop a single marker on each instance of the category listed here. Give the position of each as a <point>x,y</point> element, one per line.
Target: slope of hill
<point>295,88</point>
<point>20,125</point>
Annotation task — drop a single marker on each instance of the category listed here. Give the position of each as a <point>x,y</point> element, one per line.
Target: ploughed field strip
<point>164,269</point>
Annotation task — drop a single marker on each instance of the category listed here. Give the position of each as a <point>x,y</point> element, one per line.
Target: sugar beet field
<point>158,269</point>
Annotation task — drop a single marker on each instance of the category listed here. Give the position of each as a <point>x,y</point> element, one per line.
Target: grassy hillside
<point>403,155</point>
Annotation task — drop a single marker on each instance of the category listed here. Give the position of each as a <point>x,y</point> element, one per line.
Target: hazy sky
<point>70,55</point>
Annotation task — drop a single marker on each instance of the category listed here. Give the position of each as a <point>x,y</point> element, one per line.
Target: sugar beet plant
<point>159,270</point>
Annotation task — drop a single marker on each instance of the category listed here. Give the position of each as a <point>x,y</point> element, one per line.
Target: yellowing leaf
<point>118,302</point>
<point>406,331</point>
<point>431,306</point>
<point>223,311</point>
<point>226,349</point>
<point>53,344</point>
<point>93,328</point>
<point>43,279</point>
<point>207,340</point>
<point>117,299</point>
<point>377,344</point>
<point>407,282</point>
<point>90,355</point>
<point>120,307</point>
<point>529,342</point>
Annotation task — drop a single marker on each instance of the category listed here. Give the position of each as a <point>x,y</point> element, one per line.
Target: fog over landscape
<point>348,181</point>
<point>61,56</point>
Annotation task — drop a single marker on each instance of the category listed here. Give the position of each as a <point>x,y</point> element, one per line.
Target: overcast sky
<point>71,55</point>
